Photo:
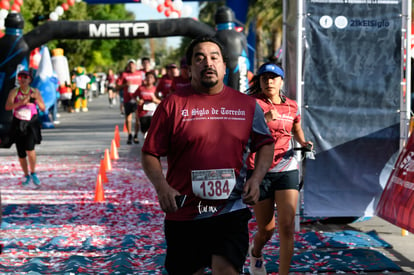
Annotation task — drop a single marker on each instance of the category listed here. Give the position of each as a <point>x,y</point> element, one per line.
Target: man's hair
<point>202,39</point>
<point>151,73</point>
<point>145,59</point>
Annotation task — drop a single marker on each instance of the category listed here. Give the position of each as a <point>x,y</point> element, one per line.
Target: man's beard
<point>209,83</point>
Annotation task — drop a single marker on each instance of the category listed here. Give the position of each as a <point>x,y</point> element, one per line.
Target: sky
<point>146,12</point>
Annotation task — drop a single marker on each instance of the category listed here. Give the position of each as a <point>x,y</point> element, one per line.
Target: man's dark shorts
<point>191,244</point>
<point>130,107</point>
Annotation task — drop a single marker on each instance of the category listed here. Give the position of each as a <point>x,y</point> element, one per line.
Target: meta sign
<point>121,30</point>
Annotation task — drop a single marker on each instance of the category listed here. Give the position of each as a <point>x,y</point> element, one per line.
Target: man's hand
<point>251,192</point>
<point>166,198</point>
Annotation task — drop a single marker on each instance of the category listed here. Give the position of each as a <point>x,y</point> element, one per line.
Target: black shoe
<point>136,141</point>
<point>129,139</point>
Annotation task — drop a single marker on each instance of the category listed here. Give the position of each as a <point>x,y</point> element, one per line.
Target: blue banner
<point>352,76</point>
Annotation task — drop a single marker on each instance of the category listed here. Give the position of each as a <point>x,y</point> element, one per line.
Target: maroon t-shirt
<point>199,132</point>
<point>164,85</point>
<point>145,93</point>
<point>134,79</point>
<point>281,129</point>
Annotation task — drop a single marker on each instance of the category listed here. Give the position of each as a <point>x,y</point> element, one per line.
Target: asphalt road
<point>91,133</point>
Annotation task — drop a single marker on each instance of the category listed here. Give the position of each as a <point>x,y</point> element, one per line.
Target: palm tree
<point>267,16</point>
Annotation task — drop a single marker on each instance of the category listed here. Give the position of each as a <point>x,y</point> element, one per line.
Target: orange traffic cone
<point>99,192</point>
<point>125,130</point>
<point>107,161</point>
<point>117,137</point>
<point>114,150</point>
<point>102,171</point>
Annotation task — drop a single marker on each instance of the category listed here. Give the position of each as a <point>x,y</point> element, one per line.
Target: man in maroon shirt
<point>165,83</point>
<point>128,83</point>
<point>183,79</point>
<point>206,130</point>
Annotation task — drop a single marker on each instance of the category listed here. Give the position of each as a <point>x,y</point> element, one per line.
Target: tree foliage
<point>265,16</point>
<point>208,11</point>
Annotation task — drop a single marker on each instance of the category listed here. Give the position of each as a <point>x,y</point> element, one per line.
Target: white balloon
<point>53,16</point>
<point>145,2</point>
<point>153,4</point>
<point>187,10</point>
<point>160,1</point>
<point>174,14</point>
<point>177,5</point>
<point>78,1</point>
<point>3,13</point>
<point>59,10</point>
<point>1,24</point>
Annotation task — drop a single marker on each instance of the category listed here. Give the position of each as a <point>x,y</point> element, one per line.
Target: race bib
<point>150,108</point>
<point>214,184</point>
<point>132,88</point>
<point>23,114</point>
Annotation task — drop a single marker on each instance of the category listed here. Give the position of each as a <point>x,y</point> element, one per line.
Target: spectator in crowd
<point>81,84</point>
<point>65,91</point>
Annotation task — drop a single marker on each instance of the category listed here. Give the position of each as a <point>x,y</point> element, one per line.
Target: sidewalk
<point>83,137</point>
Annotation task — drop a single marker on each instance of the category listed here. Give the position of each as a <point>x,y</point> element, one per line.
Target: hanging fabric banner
<point>351,103</point>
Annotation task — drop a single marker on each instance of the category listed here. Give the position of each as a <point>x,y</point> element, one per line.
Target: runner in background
<point>147,101</point>
<point>183,79</point>
<point>111,87</point>
<point>25,129</point>
<point>128,82</point>
<point>164,84</point>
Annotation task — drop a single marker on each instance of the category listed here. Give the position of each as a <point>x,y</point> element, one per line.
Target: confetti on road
<point>58,228</point>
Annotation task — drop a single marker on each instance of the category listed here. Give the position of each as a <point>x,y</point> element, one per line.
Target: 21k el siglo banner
<point>351,103</point>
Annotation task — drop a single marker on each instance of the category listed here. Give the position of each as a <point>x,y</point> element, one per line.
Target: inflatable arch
<point>16,46</point>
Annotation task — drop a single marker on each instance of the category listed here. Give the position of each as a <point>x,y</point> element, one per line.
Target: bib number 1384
<point>213,184</point>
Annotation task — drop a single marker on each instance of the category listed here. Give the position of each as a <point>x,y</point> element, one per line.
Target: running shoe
<point>35,179</point>
<point>129,139</point>
<point>26,181</point>
<point>136,139</point>
<point>257,266</point>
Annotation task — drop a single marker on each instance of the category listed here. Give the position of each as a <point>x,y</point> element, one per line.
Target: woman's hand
<point>306,144</point>
<point>271,115</point>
